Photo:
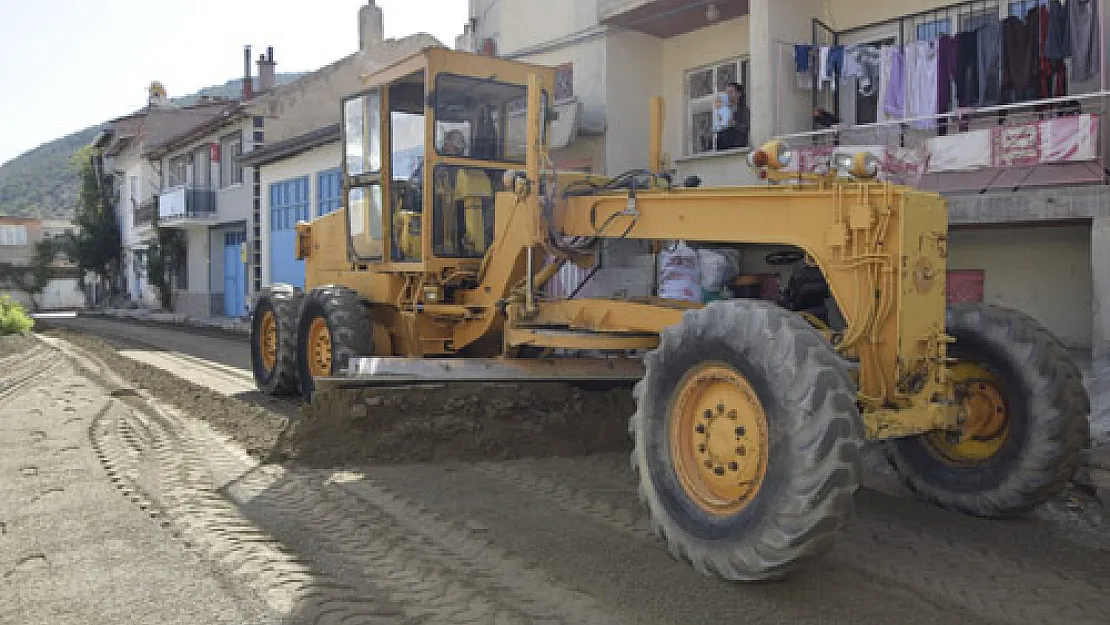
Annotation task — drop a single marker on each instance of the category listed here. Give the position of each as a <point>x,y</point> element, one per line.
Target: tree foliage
<point>163,257</point>
<point>97,245</point>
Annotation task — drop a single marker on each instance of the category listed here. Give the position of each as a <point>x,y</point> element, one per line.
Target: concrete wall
<point>632,78</point>
<point>1100,305</point>
<point>776,105</point>
<point>528,23</point>
<point>1042,271</point>
<point>194,300</point>
<point>308,163</point>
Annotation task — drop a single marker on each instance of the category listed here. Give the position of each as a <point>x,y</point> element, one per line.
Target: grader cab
<point>750,413</point>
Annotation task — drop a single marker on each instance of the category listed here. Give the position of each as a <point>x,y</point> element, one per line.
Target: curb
<point>233,326</point>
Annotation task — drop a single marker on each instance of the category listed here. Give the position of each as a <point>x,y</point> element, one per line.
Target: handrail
<point>958,113</point>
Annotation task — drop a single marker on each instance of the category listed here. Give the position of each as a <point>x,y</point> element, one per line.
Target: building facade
<point>1033,233</point>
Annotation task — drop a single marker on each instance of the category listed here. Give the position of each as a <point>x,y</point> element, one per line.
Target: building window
<point>133,190</point>
<point>1022,8</point>
<point>202,167</point>
<point>934,29</point>
<point>179,166</point>
<point>329,191</point>
<point>13,235</point>
<point>289,202</point>
<point>231,149</point>
<point>705,91</point>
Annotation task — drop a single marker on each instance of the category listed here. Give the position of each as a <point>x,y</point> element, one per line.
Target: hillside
<point>42,182</point>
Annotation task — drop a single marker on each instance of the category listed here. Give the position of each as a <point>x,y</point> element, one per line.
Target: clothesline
<point>999,61</point>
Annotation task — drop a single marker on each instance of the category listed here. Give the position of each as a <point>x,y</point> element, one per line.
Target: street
<point>220,519</point>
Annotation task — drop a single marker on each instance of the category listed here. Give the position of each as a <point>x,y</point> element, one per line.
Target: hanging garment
<point>1019,58</point>
<point>990,63</point>
<point>967,68</point>
<point>921,81</point>
<point>946,71</point>
<point>862,63</point>
<point>884,84</point>
<point>894,104</point>
<point>832,64</point>
<point>1058,44</point>
<point>1051,72</point>
<point>804,65</point>
<point>1085,48</point>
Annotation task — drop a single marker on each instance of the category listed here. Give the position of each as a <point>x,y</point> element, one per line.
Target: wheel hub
<point>268,340</point>
<point>718,439</point>
<point>986,422</point>
<point>319,348</point>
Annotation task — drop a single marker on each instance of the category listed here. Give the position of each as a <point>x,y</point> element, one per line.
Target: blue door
<point>289,201</point>
<point>235,276</point>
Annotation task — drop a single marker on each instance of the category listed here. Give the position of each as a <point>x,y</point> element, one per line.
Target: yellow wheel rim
<point>987,422</point>
<point>267,339</point>
<point>319,348</point>
<point>718,434</point>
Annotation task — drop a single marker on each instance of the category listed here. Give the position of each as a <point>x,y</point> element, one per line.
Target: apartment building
<point>1030,218</point>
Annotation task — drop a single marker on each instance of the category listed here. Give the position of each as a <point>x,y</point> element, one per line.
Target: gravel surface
<point>540,539</point>
<point>13,344</point>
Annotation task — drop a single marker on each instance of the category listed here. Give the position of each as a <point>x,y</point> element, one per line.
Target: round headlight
<point>865,165</point>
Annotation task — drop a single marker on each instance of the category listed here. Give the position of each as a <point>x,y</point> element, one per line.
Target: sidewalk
<point>227,324</point>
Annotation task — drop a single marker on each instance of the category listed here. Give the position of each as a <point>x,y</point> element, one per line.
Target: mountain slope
<point>42,182</point>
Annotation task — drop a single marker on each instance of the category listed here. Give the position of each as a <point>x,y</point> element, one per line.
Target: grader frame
<point>408,282</point>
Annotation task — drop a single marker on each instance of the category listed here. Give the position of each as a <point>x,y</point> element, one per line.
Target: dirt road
<point>531,540</point>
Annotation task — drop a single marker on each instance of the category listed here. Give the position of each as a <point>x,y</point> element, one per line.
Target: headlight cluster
<point>774,155</point>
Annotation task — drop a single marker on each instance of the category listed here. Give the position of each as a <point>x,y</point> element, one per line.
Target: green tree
<point>163,257</point>
<point>97,246</point>
<point>42,265</point>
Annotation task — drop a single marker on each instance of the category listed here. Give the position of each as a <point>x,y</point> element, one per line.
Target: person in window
<point>454,143</point>
<point>735,135</point>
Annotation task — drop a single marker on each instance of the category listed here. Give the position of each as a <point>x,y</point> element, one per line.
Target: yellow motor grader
<point>750,413</point>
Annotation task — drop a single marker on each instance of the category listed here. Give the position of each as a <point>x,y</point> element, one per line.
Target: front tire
<point>747,440</point>
<point>334,328</point>
<point>1026,419</point>
<point>274,340</point>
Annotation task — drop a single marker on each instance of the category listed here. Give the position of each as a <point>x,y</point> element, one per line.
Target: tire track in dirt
<point>21,370</point>
<point>179,471</point>
<point>989,584</point>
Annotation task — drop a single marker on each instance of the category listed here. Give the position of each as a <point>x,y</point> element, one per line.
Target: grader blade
<point>392,372</point>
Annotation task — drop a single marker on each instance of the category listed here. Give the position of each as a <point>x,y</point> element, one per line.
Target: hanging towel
<point>1019,54</point>
<point>1058,45</point>
<point>862,62</point>
<point>801,57</point>
<point>990,64</point>
<point>884,83</point>
<point>1085,49</point>
<point>921,81</point>
<point>894,104</point>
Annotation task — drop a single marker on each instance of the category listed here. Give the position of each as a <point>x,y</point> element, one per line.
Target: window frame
<point>231,150</point>
<point>177,174</point>
<point>742,63</point>
<point>334,178</point>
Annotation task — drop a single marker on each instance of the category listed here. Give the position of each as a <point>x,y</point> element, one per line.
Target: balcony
<point>1041,143</point>
<point>668,18</point>
<point>185,207</point>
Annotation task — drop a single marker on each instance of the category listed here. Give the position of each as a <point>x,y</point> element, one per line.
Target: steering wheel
<point>784,257</point>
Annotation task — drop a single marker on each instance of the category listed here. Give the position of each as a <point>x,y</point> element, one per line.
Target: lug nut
<point>740,431</point>
<point>732,414</point>
<point>719,470</point>
<point>708,414</point>
<point>720,408</point>
<point>740,451</point>
<point>700,429</point>
<point>732,466</point>
<point>701,448</point>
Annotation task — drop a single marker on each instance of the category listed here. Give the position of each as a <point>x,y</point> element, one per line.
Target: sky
<point>69,64</point>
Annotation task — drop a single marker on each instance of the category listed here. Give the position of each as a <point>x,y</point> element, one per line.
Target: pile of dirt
<point>12,344</point>
<point>424,424</point>
<point>437,423</point>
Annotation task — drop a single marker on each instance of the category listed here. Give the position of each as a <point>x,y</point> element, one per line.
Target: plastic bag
<point>680,274</point>
<point>718,267</point>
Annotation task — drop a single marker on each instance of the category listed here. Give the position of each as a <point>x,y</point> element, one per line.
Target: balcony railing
<point>1055,141</point>
<point>186,206</point>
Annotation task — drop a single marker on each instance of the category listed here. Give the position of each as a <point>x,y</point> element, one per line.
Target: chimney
<point>266,77</point>
<point>371,29</point>
<point>248,80</point>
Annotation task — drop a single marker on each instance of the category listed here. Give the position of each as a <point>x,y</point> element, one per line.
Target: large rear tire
<point>1026,419</point>
<point>746,440</point>
<point>334,327</point>
<point>274,340</point>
